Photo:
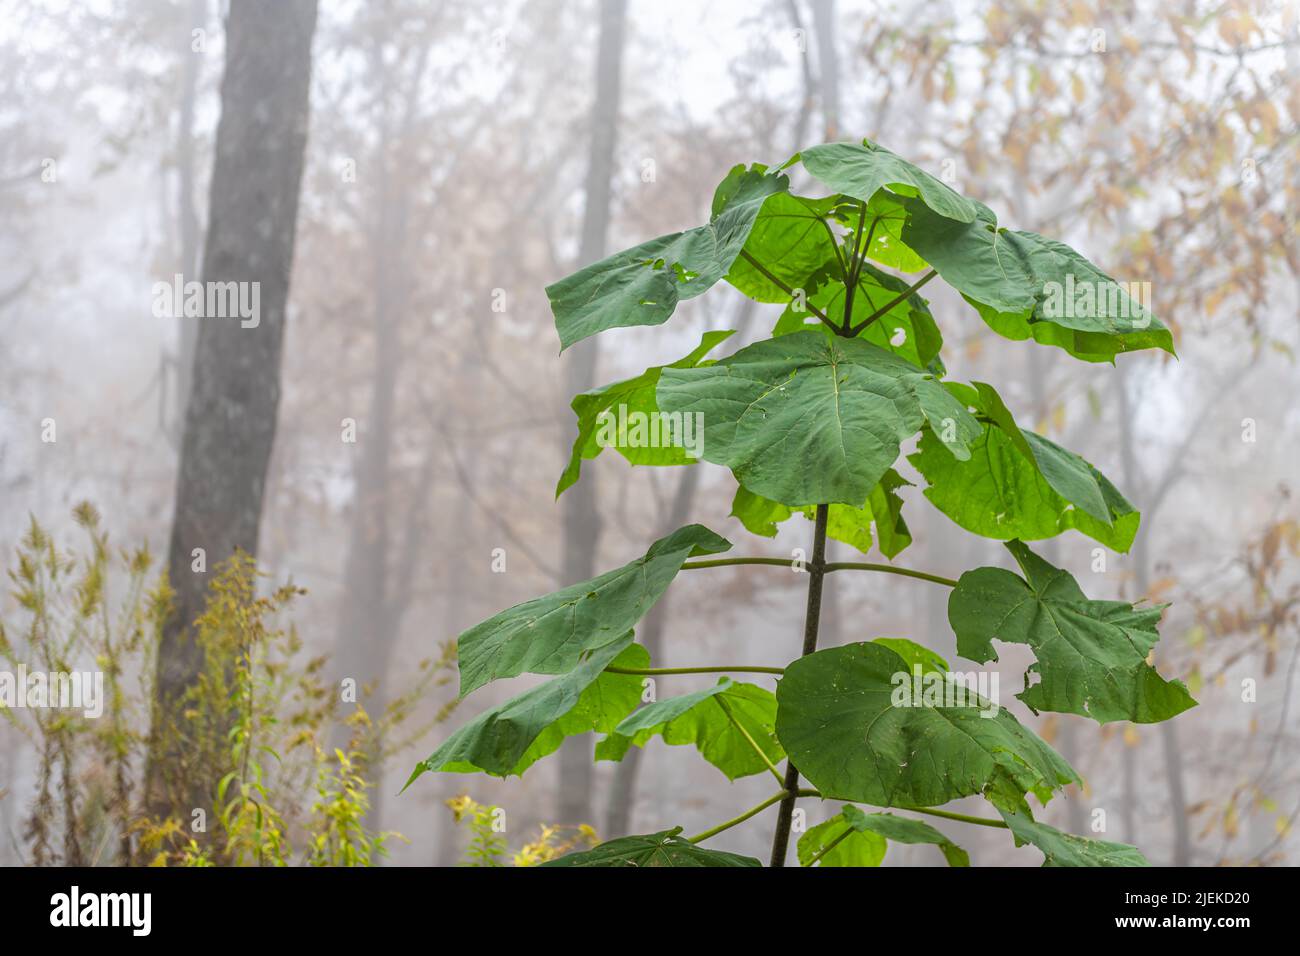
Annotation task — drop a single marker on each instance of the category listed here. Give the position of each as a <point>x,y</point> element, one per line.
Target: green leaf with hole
<point>803,420</point>
<point>553,634</point>
<point>719,721</point>
<point>625,416</point>
<point>507,739</point>
<point>1066,849</point>
<point>848,721</point>
<point>642,285</point>
<point>1091,656</point>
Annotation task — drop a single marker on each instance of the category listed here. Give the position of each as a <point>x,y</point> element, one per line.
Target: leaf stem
<point>930,811</point>
<point>812,618</point>
<point>787,290</point>
<point>762,755</point>
<point>717,669</point>
<point>889,569</point>
<point>725,562</point>
<point>959,817</point>
<point>735,821</point>
<point>833,566</point>
<point>857,329</point>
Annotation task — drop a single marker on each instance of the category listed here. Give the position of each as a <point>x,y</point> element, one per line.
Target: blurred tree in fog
<point>231,411</point>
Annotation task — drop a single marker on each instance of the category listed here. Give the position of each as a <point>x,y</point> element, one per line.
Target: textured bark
<point>580,515</point>
<point>186,211</point>
<point>231,413</point>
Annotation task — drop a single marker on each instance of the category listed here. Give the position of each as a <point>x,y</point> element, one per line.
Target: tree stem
<point>817,572</point>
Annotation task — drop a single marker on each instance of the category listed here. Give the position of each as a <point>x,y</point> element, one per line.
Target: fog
<point>449,176</point>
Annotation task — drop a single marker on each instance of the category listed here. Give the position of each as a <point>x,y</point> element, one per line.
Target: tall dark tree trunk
<point>231,413</point>
<point>185,200</point>
<point>580,515</point>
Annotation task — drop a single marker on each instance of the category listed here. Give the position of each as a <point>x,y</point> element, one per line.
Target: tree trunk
<point>231,413</point>
<point>186,212</point>
<point>579,512</point>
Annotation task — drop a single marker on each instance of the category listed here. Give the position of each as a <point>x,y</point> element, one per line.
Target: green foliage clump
<point>258,721</point>
<point>815,419</point>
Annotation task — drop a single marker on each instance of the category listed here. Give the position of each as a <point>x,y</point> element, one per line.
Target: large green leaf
<point>856,838</point>
<point>642,285</point>
<point>836,718</point>
<point>1077,307</point>
<point>553,634</point>
<point>604,415</point>
<point>511,737</point>
<point>1017,484</point>
<point>1091,655</point>
<point>707,719</point>
<point>802,419</point>
<point>1066,849</point>
<point>664,848</point>
<point>1027,286</point>
<point>860,170</point>
<point>883,508</point>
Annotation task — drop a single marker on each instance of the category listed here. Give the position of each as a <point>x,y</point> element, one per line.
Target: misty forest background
<point>459,156</point>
